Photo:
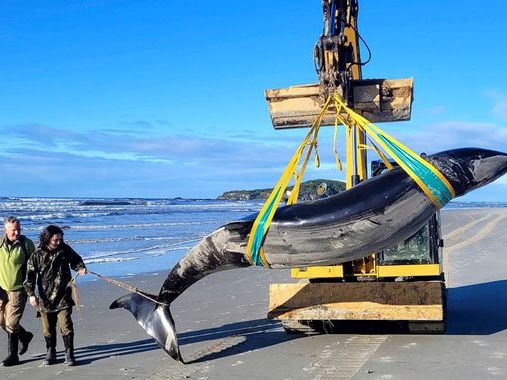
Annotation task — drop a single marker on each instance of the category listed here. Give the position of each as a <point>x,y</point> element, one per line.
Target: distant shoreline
<point>115,201</point>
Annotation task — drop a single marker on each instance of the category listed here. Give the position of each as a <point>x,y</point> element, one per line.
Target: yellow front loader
<point>404,284</point>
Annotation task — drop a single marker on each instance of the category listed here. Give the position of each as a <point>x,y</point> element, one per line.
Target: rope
<point>73,279</point>
<point>75,292</point>
<point>128,287</point>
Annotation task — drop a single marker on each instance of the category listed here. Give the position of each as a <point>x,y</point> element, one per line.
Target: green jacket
<point>13,259</point>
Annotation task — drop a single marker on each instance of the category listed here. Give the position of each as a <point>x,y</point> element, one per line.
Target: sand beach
<point>224,333</point>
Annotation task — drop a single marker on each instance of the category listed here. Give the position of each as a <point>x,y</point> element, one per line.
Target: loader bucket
<point>378,100</point>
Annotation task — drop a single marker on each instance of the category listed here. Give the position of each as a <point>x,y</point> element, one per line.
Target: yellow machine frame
<point>337,292</point>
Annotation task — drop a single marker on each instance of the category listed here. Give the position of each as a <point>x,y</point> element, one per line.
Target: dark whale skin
<point>371,216</point>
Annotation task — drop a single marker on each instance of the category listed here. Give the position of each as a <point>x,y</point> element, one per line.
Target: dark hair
<point>47,233</point>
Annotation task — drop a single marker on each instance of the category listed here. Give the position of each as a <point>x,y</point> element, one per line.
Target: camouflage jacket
<point>50,270</point>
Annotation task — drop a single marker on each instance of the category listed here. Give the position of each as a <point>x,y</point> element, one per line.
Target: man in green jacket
<point>15,249</point>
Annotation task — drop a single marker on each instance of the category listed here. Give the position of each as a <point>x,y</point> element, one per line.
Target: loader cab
<point>402,287</point>
<point>416,257</point>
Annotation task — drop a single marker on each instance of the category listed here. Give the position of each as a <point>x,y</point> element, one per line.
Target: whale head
<point>468,169</point>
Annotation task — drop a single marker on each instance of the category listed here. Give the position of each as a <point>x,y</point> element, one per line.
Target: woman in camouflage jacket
<point>49,268</point>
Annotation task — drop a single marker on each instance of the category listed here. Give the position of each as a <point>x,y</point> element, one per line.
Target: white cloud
<point>171,147</point>
<point>500,104</point>
<point>454,134</point>
<point>116,163</point>
<point>42,160</point>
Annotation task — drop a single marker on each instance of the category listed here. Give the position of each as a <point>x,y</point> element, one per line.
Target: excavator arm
<point>336,53</point>
<point>338,64</point>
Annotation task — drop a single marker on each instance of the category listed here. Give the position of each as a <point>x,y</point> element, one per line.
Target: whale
<point>371,216</point>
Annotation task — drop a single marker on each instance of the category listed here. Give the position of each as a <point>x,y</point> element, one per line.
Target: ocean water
<point>131,236</point>
<point>126,236</point>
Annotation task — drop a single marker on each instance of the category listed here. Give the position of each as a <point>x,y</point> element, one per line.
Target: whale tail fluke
<point>154,318</point>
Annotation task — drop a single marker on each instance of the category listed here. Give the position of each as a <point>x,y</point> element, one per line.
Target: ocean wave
<point>63,215</point>
<point>104,227</point>
<point>150,250</point>
<point>137,225</point>
<point>107,203</point>
<point>115,230</point>
<point>119,239</point>
<point>457,204</point>
<point>109,260</point>
<point>119,257</point>
<point>39,203</point>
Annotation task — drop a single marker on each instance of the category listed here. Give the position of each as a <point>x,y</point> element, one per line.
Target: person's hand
<point>34,301</point>
<point>82,271</point>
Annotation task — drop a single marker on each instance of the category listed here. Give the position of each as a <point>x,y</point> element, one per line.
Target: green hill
<point>308,191</point>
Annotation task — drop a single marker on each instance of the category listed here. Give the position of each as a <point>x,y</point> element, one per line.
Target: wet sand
<point>224,334</point>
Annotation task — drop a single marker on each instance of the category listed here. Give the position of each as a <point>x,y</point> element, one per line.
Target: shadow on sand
<point>479,309</point>
<point>89,354</point>
<point>254,334</point>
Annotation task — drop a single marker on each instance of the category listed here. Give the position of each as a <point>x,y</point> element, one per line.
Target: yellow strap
<point>382,156</point>
<point>338,162</point>
<point>349,119</point>
<point>373,131</point>
<point>269,208</point>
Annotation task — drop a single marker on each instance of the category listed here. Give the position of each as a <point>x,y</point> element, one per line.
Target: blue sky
<point>165,98</point>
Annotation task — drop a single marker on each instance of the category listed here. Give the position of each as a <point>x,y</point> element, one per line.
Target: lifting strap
<point>436,187</point>
<point>255,253</point>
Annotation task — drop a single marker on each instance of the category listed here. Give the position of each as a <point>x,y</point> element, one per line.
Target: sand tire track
<point>459,231</point>
<point>344,360</point>
<point>483,232</point>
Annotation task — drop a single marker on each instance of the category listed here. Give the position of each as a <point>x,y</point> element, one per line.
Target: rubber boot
<point>25,337</point>
<point>51,350</point>
<point>68,340</point>
<point>12,346</point>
